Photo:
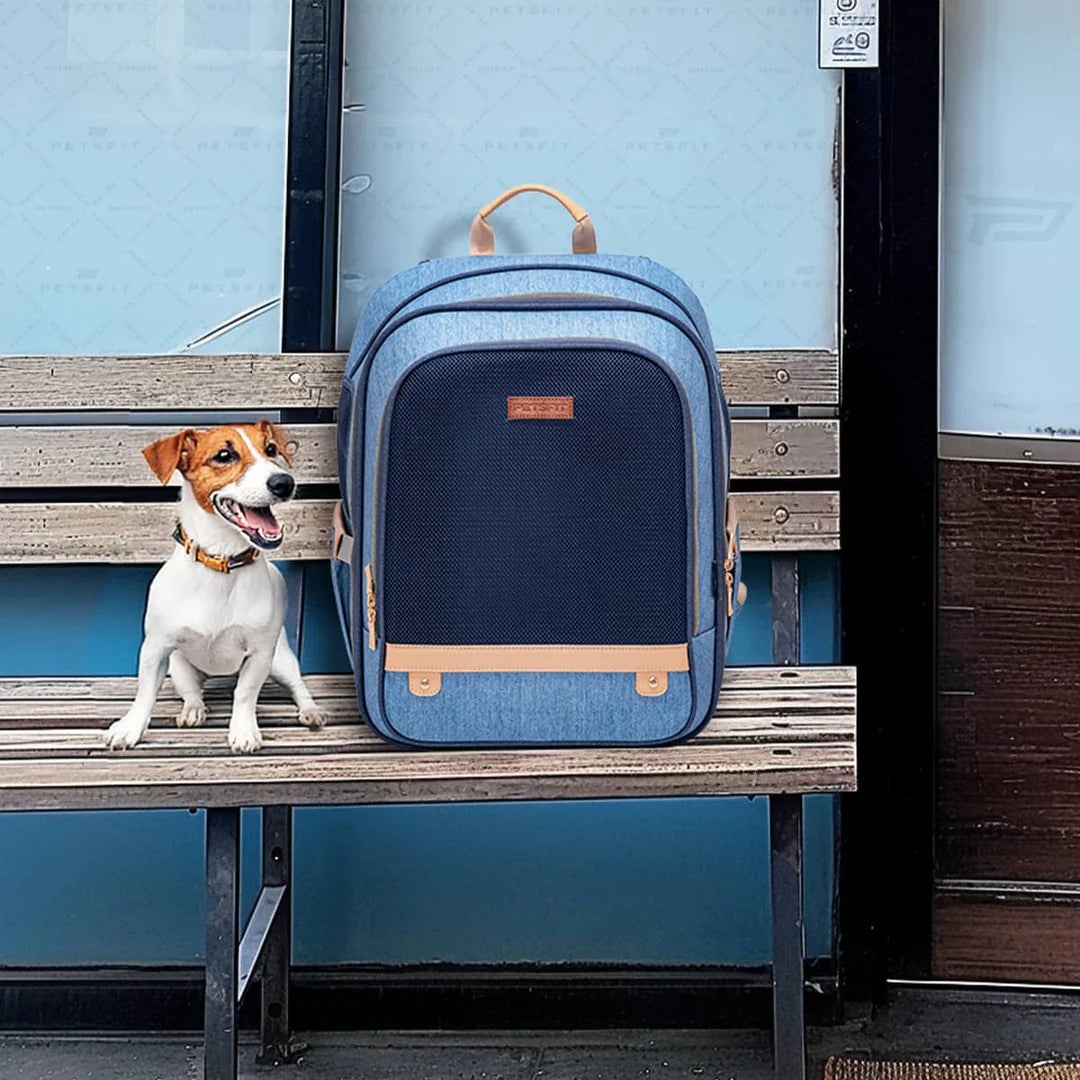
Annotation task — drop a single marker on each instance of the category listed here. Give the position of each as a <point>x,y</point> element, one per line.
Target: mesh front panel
<point>535,531</point>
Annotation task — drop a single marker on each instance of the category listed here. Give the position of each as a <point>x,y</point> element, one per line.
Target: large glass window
<point>144,160</point>
<point>700,135</point>
<point>1010,230</point>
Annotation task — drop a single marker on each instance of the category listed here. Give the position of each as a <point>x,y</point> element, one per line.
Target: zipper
<point>550,296</point>
<point>369,582</point>
<point>694,533</point>
<point>470,274</point>
<point>369,571</point>
<point>732,552</point>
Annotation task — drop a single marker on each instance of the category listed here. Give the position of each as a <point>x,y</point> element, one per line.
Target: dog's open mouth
<point>258,522</point>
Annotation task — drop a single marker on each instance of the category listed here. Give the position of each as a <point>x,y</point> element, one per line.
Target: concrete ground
<point>953,1026</point>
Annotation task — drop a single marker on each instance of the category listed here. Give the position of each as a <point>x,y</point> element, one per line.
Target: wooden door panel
<point>1008,725</point>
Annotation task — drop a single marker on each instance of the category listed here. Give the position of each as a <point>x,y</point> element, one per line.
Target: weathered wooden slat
<point>110,455</point>
<point>812,711</point>
<point>313,380</point>
<point>118,687</point>
<point>187,381</point>
<point>790,521</point>
<point>789,744</point>
<point>780,377</point>
<point>134,532</point>
<point>141,532</point>
<point>166,740</point>
<point>140,780</point>
<point>772,449</point>
<point>737,708</point>
<point>48,734</point>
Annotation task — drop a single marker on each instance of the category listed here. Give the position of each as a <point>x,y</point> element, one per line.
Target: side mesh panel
<point>536,531</point>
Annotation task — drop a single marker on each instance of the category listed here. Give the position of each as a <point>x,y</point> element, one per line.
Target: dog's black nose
<point>281,484</point>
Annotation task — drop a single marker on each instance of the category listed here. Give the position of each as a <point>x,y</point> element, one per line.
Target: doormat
<point>839,1069</point>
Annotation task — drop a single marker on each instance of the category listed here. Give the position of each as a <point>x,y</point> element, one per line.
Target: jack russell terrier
<point>216,607</point>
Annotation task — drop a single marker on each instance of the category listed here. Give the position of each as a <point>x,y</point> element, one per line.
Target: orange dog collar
<point>221,563</point>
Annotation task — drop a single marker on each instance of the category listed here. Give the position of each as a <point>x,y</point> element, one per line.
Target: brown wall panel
<point>1009,672</point>
<point>1006,940</point>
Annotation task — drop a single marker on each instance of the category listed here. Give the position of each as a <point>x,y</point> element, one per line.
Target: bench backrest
<point>74,487</point>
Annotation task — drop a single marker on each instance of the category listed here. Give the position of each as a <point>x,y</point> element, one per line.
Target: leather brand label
<point>540,408</point>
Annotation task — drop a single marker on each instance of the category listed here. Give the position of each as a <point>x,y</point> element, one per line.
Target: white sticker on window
<point>848,34</point>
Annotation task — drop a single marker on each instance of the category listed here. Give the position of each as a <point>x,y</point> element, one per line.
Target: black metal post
<point>786,622</point>
<point>789,1024</point>
<point>277,1046</point>
<point>313,168</point>
<point>785,846</point>
<point>888,450</point>
<point>222,926</point>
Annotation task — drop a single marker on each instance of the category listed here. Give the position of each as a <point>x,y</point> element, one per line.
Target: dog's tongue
<point>261,519</point>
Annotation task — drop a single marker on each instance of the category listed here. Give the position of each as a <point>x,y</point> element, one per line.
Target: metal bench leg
<point>789,1031</point>
<point>222,923</point>
<point>276,1045</point>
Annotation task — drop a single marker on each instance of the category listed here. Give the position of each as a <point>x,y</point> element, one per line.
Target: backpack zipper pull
<point>369,578</point>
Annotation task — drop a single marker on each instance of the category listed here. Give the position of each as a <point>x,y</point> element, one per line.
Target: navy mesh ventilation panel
<point>501,531</point>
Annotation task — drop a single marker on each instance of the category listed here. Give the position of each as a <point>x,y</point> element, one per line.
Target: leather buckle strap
<point>223,564</point>
<point>426,664</point>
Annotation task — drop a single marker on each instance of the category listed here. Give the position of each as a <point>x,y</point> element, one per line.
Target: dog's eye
<point>271,449</point>
<point>225,455</point>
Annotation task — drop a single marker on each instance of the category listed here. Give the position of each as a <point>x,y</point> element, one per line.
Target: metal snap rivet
<point>780,515</point>
<point>425,683</point>
<point>783,375</point>
<point>653,680</point>
<point>781,448</point>
<point>295,378</point>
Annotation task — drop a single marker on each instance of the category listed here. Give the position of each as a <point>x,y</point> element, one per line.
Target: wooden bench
<point>780,731</point>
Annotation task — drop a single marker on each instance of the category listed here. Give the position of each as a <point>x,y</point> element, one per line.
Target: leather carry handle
<point>482,237</point>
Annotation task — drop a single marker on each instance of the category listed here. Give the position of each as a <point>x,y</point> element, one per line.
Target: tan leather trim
<point>651,683</point>
<point>539,408</point>
<point>742,593</point>
<point>597,658</point>
<point>732,526</point>
<point>482,238</point>
<point>571,207</point>
<point>729,560</point>
<point>343,542</point>
<point>425,683</point>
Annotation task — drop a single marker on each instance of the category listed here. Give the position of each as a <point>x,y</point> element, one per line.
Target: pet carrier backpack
<point>534,545</point>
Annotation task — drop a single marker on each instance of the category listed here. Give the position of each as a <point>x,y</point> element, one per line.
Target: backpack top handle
<point>482,237</point>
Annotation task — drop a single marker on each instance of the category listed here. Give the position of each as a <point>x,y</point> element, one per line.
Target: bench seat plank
<point>110,455</point>
<point>313,380</point>
<point>140,532</point>
<point>322,686</point>
<point>775,730</point>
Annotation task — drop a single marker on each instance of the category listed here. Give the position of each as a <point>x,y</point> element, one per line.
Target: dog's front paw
<point>245,738</point>
<point>313,717</point>
<point>123,734</point>
<point>192,714</point>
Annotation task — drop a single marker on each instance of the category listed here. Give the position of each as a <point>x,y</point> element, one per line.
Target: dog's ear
<point>169,454</point>
<point>271,432</point>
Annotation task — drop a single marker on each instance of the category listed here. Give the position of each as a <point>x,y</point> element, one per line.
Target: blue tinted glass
<point>1010,228</point>
<point>700,135</point>
<point>144,156</point>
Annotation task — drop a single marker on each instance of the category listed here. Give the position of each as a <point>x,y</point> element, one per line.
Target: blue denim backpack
<point>534,545</point>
